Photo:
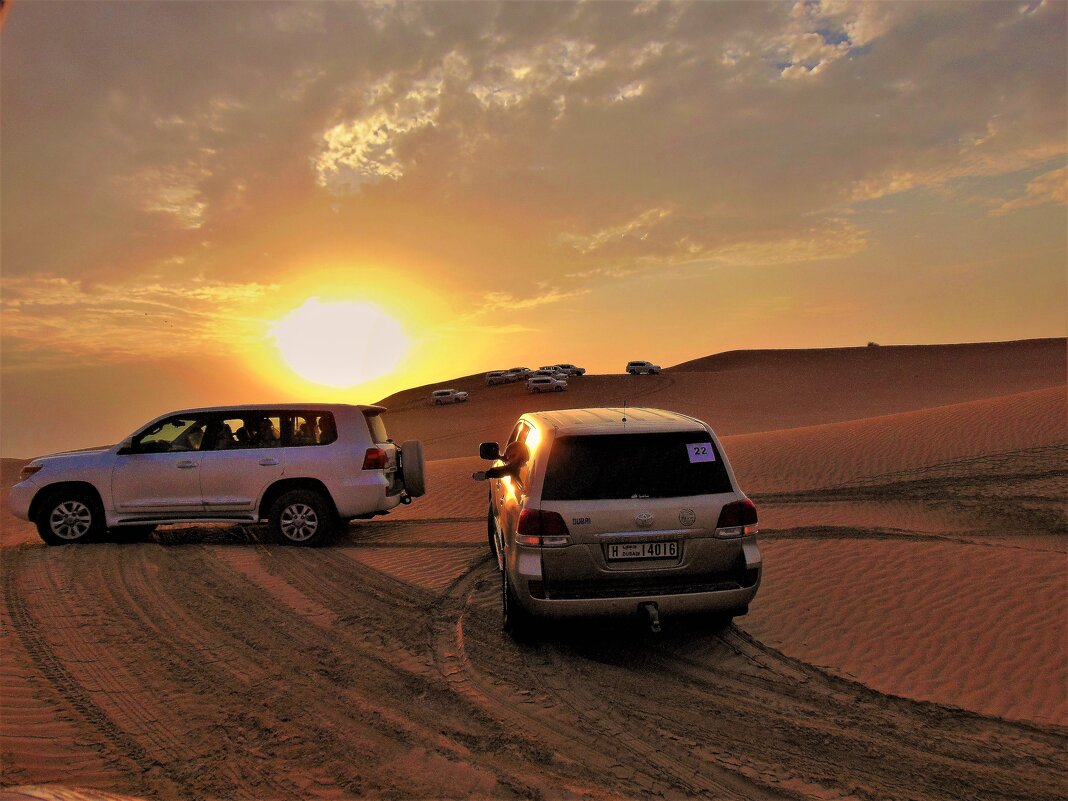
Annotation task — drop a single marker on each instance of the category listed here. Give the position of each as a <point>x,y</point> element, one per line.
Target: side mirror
<point>126,446</point>
<point>490,451</point>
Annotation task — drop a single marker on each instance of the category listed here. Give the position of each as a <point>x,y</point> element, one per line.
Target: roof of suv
<point>280,407</point>
<point>606,420</point>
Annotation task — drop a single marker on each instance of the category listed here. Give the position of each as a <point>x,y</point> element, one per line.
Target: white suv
<point>571,369</point>
<point>498,377</point>
<point>619,512</point>
<point>302,467</point>
<point>439,397</point>
<point>545,383</point>
<point>637,368</point>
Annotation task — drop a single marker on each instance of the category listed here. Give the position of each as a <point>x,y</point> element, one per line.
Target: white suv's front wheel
<point>302,517</point>
<point>69,516</point>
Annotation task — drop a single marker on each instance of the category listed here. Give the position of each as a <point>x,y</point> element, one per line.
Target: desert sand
<point>910,638</point>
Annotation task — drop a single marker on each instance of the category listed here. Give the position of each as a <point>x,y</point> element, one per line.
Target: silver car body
<point>225,485</point>
<point>442,396</point>
<point>545,383</point>
<point>637,368</point>
<point>711,569</point>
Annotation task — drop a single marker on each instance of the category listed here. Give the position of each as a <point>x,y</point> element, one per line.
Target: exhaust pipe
<point>652,615</point>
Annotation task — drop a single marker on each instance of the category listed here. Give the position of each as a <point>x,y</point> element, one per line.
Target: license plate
<point>642,550</point>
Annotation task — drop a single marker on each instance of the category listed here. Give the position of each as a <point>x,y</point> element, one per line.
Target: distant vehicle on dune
<point>439,397</point>
<point>549,372</point>
<point>637,368</point>
<point>546,383</point>
<point>499,377</point>
<point>571,369</point>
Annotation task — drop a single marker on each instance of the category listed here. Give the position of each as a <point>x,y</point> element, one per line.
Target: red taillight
<point>541,528</point>
<point>737,519</point>
<point>375,459</point>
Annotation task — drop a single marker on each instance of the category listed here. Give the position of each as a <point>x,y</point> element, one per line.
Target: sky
<point>213,203</point>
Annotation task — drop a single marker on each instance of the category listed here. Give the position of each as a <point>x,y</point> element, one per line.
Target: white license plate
<point>643,550</point>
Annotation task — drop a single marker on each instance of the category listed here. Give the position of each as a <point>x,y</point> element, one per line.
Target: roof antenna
<point>624,413</point>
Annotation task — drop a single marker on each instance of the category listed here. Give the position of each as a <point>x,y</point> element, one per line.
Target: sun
<point>339,343</point>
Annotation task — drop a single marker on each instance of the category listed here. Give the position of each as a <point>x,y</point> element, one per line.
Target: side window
<point>308,428</point>
<point>248,430</point>
<point>174,435</point>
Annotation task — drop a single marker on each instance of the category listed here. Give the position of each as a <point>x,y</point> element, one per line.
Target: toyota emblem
<point>644,520</point>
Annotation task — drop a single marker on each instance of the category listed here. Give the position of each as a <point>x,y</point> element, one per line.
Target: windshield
<point>610,466</point>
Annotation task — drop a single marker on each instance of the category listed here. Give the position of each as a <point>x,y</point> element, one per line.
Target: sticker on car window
<point>700,452</point>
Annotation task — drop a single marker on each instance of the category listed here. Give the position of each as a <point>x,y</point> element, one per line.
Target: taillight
<point>375,459</point>
<point>546,529</point>
<point>737,519</point>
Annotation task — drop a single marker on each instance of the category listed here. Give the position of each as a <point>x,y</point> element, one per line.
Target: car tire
<point>413,468</point>
<point>515,620</point>
<point>559,389</point>
<point>302,517</point>
<point>491,536</point>
<point>71,516</point>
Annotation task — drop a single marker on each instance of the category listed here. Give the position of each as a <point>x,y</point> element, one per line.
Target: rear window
<point>612,466</point>
<point>377,427</point>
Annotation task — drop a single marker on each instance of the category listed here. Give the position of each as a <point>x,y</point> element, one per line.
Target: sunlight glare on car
<point>339,343</point>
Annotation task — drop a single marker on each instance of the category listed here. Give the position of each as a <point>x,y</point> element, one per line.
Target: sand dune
<point>911,500</point>
<point>750,391</point>
<point>981,627</point>
<point>827,455</point>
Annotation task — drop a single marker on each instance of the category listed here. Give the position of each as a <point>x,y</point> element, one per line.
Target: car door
<point>159,473</point>
<point>511,493</point>
<point>243,457</point>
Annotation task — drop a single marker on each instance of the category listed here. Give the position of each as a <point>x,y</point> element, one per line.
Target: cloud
<point>365,149</point>
<point>493,302</point>
<point>1051,187</point>
<point>571,143</point>
<point>50,317</point>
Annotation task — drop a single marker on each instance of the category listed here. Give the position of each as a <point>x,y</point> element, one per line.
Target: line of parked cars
<point>548,378</point>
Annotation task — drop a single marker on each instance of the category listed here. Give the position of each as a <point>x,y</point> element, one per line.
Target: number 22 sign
<point>700,452</point>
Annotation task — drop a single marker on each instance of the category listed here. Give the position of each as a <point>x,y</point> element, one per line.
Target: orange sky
<point>511,184</point>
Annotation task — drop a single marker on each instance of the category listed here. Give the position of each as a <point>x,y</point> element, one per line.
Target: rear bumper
<point>621,593</point>
<point>363,494</point>
<point>716,601</point>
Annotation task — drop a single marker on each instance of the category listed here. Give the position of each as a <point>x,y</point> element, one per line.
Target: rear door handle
<point>185,464</point>
<point>268,462</point>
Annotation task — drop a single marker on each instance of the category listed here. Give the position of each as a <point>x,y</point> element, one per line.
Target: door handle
<point>268,462</point>
<point>185,464</point>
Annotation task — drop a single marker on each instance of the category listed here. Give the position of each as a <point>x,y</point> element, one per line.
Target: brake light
<point>737,519</point>
<point>375,459</point>
<point>546,529</point>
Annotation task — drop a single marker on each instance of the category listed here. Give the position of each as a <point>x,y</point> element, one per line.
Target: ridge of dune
<point>1039,353</point>
<point>825,455</point>
<point>749,391</point>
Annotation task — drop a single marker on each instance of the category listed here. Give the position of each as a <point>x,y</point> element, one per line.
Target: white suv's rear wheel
<point>302,517</point>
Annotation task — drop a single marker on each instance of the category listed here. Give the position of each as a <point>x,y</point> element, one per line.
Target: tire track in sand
<point>737,714</point>
<point>498,677</point>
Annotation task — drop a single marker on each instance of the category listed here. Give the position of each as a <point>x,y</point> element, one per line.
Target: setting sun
<point>339,344</point>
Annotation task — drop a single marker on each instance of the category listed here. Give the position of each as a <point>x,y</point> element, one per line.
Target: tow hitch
<point>651,614</point>
<point>406,499</point>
